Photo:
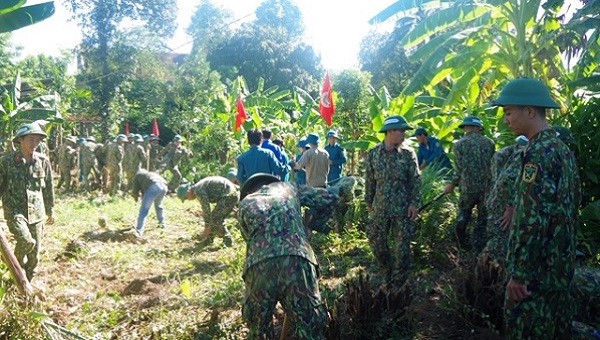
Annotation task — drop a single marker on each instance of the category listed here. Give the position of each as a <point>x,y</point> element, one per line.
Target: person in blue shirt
<point>430,151</point>
<point>285,176</point>
<point>300,173</point>
<point>337,157</point>
<point>257,159</point>
<point>268,144</point>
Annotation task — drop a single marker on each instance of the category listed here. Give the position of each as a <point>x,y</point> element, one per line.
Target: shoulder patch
<point>529,172</point>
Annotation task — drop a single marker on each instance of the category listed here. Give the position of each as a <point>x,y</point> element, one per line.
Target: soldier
<point>315,161</point>
<point>67,161</point>
<point>257,159</point>
<point>175,152</point>
<point>155,153</point>
<point>139,159</point>
<point>223,194</point>
<point>114,163</point>
<point>89,163</point>
<point>337,157</point>
<point>541,247</point>
<point>280,264</point>
<point>153,189</point>
<point>27,194</point>
<point>348,187</point>
<point>392,195</point>
<point>473,154</point>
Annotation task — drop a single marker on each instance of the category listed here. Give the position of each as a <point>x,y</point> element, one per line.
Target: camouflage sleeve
<point>242,222</point>
<point>459,166</point>
<point>414,178</point>
<point>48,191</point>
<point>369,180</point>
<point>318,197</point>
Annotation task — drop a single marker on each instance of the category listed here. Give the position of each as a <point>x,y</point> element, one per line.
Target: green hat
<point>121,138</point>
<point>332,133</point>
<point>312,138</point>
<point>183,190</point>
<point>177,138</point>
<point>28,129</point>
<point>138,139</point>
<point>395,122</point>
<point>420,131</point>
<point>255,182</point>
<point>231,174</point>
<point>526,92</point>
<point>471,121</point>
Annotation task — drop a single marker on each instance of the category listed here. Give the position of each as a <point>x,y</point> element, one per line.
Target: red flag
<point>241,116</point>
<point>326,104</point>
<point>155,128</point>
<point>126,128</point>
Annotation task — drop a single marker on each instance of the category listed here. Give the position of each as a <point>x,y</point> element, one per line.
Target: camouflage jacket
<point>505,168</point>
<point>392,181</point>
<point>114,155</point>
<point>174,155</point>
<point>88,154</point>
<point>271,221</point>
<point>541,248</point>
<point>26,188</point>
<point>139,158</point>
<point>213,188</point>
<point>473,154</point>
<point>67,157</point>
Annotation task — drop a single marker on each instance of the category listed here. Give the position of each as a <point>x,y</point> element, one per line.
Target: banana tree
<point>14,16</point>
<point>14,111</point>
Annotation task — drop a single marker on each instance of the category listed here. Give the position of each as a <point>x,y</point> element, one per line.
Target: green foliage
<point>14,16</point>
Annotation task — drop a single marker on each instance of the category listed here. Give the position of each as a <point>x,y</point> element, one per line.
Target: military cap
<point>71,139</point>
<point>255,182</point>
<point>312,138</point>
<point>121,138</point>
<point>138,139</point>
<point>81,140</point>
<point>471,121</point>
<point>28,129</point>
<point>301,143</point>
<point>564,135</point>
<point>231,174</point>
<point>177,138</point>
<point>395,122</point>
<point>525,92</point>
<point>420,131</point>
<point>182,191</point>
<point>332,133</point>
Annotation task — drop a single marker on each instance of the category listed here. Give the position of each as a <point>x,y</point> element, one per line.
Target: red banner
<point>326,106</point>
<point>155,128</point>
<point>241,116</point>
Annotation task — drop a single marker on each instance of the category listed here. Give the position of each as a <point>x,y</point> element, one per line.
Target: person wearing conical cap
<point>541,244</point>
<point>392,195</point>
<point>473,156</point>
<point>27,194</point>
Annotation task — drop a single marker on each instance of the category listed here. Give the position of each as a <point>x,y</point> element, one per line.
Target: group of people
<point>112,165</point>
<point>526,195</point>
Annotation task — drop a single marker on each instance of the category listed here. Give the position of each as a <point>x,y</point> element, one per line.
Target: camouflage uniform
<point>348,185</point>
<point>541,246</point>
<point>280,263</point>
<point>473,154</point>
<point>88,162</point>
<point>67,162</point>
<point>392,183</point>
<point>586,294</point>
<point>114,159</point>
<point>155,154</point>
<point>128,163</point>
<point>173,156</point>
<point>223,193</point>
<point>27,197</point>
<point>139,160</point>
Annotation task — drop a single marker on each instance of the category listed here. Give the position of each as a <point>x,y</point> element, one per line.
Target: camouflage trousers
<point>291,281</point>
<point>214,219</point>
<point>65,178</point>
<point>87,169</point>
<point>543,315</point>
<point>396,233</point>
<point>586,294</point>
<point>115,174</point>
<point>28,237</point>
<point>466,203</point>
<point>175,179</point>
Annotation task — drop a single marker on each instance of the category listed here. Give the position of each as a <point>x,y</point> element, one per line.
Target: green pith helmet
<point>395,122</point>
<point>255,182</point>
<point>301,143</point>
<point>332,133</point>
<point>471,121</point>
<point>182,191</point>
<point>526,92</point>
<point>28,129</point>
<point>231,174</point>
<point>138,139</point>
<point>121,138</point>
<point>177,138</point>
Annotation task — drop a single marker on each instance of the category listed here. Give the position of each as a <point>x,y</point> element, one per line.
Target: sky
<point>334,28</point>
